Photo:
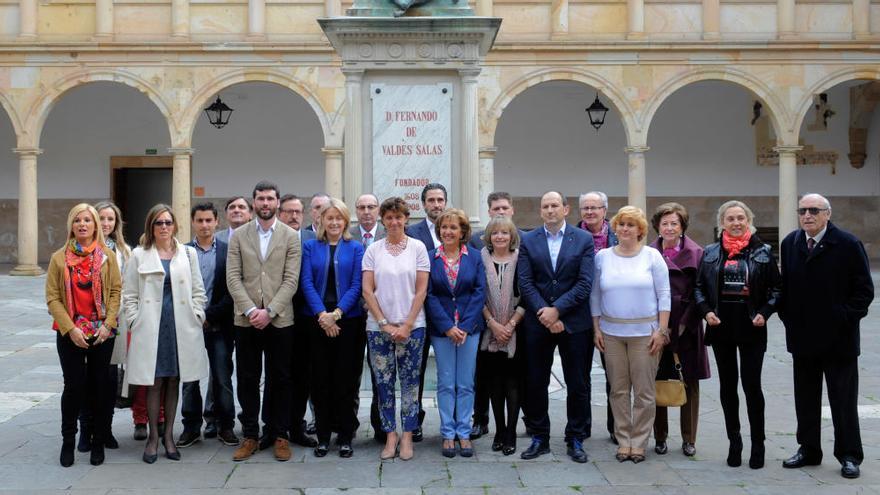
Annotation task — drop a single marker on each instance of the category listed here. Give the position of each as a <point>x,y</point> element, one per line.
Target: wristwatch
<point>382,322</point>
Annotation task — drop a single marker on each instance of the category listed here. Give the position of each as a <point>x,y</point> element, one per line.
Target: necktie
<point>368,239</point>
<point>811,243</point>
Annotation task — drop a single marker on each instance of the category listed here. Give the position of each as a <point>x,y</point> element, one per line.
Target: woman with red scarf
<point>83,289</point>
<point>737,290</point>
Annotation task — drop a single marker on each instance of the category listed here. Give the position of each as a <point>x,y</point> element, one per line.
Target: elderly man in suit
<point>262,272</point>
<point>434,200</point>
<point>555,278</point>
<point>826,290</point>
<point>219,337</point>
<point>368,230</point>
<point>238,212</point>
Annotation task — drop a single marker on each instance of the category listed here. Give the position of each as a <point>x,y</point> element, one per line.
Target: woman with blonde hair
<point>630,304</point>
<point>330,279</point>
<point>82,293</point>
<point>164,300</point>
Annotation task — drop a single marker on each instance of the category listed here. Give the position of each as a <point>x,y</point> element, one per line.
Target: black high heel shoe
<point>756,461</point>
<point>150,458</point>
<point>734,453</point>
<point>175,455</point>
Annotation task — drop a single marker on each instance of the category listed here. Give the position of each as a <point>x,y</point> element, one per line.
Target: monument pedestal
<point>411,90</point>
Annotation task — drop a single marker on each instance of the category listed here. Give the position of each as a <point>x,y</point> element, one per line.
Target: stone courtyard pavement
<point>30,386</point>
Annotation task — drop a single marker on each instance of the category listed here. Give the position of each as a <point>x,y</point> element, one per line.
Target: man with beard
<point>263,274</point>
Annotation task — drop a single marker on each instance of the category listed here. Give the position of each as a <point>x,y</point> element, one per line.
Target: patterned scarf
<point>500,300</point>
<point>86,262</point>
<point>734,245</point>
<point>600,240</point>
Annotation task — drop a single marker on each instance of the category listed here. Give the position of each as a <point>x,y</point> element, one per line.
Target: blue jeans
<point>219,345</point>
<point>388,360</point>
<point>455,384</point>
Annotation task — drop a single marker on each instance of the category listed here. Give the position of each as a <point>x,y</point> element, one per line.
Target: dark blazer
<point>355,232</point>
<point>421,232</point>
<point>468,297</point>
<point>347,268</point>
<point>218,312</point>
<point>824,293</point>
<point>299,301</point>
<point>568,287</point>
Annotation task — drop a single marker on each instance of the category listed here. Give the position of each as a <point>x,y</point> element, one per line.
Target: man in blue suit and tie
<point>433,202</point>
<point>555,277</point>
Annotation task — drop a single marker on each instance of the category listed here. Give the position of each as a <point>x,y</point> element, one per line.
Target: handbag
<point>671,393</point>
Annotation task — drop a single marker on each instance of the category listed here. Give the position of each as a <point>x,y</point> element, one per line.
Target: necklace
<point>394,249</point>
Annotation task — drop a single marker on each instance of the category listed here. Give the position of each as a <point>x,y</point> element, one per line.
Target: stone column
<point>788,195</point>
<point>635,14</point>
<point>333,171</point>
<point>28,220</point>
<point>487,179</point>
<point>861,14</point>
<point>27,19</point>
<point>785,19</point>
<point>332,8</point>
<point>484,8</point>
<point>103,19</point>
<point>470,145</point>
<point>637,193</point>
<point>180,18</point>
<point>559,19</point>
<point>181,190</point>
<point>711,19</point>
<point>354,139</point>
<point>256,19</point>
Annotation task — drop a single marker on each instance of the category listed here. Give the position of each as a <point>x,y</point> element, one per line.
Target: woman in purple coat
<point>682,256</point>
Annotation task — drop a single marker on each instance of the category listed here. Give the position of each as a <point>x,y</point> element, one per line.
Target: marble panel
<point>412,139</point>
<point>523,19</point>
<point>65,19</point>
<point>675,20</point>
<point>9,20</point>
<point>218,19</point>
<point>293,19</point>
<point>823,19</point>
<point>142,19</point>
<point>596,19</point>
<point>745,19</point>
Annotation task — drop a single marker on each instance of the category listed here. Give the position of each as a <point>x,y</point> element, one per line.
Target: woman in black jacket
<point>737,291</point>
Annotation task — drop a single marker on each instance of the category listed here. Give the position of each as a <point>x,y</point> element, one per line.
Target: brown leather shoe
<point>245,450</point>
<point>282,449</point>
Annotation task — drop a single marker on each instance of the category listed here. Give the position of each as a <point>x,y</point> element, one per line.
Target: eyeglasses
<point>812,210</point>
<point>163,223</point>
<point>592,208</point>
<point>292,212</point>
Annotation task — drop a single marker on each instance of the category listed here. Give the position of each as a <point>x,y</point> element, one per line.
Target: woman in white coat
<point>164,300</point>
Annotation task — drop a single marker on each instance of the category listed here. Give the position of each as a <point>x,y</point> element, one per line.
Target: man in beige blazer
<point>262,272</point>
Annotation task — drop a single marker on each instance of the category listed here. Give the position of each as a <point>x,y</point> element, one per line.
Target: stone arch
<point>42,107</point>
<point>297,86</point>
<point>828,82</point>
<point>775,109</point>
<point>606,87</point>
<point>13,115</point>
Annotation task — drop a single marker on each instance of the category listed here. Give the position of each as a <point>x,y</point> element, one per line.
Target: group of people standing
<point>494,305</point>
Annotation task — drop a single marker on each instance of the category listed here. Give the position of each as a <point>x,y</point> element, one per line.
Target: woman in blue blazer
<point>456,296</point>
<point>330,279</point>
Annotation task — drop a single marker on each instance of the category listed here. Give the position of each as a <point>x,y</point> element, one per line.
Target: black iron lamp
<point>597,112</point>
<point>218,113</point>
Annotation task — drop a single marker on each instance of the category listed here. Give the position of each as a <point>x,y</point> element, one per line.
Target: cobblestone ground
<point>30,386</point>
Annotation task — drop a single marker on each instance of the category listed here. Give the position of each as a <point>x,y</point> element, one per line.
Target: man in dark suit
<point>555,278</point>
<point>433,202</point>
<point>826,290</point>
<point>219,337</point>
<point>367,231</point>
<point>318,201</point>
<point>291,213</point>
<point>238,212</point>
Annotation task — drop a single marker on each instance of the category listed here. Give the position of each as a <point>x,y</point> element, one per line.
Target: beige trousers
<point>631,372</point>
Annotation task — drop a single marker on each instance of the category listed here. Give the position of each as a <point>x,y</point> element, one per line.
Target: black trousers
<point>86,418</point>
<point>86,378</point>
<point>576,351</point>
<point>482,378</point>
<point>337,363</point>
<point>250,345</point>
<point>842,378</point>
<point>504,385</point>
<point>302,371</point>
<point>751,357</point>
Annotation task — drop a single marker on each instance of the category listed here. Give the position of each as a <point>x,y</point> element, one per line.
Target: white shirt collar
<point>561,230</point>
<point>270,229</point>
<point>371,231</point>
<point>818,237</point>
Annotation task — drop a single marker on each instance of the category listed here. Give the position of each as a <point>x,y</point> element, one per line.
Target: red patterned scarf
<point>734,245</point>
<point>86,261</point>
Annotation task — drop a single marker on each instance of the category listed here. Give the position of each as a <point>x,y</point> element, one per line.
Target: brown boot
<point>245,450</point>
<point>282,449</point>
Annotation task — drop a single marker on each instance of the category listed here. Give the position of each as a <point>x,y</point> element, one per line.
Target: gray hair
<point>735,204</point>
<point>602,197</point>
<point>817,196</point>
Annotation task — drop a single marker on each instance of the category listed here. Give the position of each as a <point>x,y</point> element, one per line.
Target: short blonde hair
<point>634,214</point>
<point>735,204</point>
<point>458,216</point>
<point>501,222</point>
<point>338,205</point>
<point>76,210</point>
